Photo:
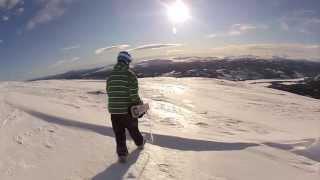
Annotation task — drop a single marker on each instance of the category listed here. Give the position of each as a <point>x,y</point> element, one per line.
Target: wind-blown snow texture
<point>202,129</point>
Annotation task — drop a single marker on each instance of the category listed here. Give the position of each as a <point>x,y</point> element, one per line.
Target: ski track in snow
<point>59,130</point>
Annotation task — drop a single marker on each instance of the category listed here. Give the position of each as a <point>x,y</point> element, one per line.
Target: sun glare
<point>178,12</point>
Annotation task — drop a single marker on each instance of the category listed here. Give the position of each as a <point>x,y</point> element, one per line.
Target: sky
<point>44,37</point>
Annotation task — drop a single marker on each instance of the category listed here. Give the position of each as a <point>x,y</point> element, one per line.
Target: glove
<point>140,102</point>
<point>141,115</point>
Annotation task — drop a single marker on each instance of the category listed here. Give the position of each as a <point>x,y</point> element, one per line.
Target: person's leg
<point>120,134</point>
<point>132,126</point>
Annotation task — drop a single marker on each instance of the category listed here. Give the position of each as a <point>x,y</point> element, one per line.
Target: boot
<point>122,159</point>
<point>141,147</point>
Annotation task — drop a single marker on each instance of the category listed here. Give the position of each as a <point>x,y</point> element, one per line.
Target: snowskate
<point>138,111</point>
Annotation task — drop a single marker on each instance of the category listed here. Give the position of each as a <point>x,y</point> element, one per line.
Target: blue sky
<point>40,37</point>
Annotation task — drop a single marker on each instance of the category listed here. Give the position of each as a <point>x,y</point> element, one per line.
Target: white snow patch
<point>202,129</point>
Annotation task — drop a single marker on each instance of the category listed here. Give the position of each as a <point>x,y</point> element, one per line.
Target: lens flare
<point>178,12</point>
<point>174,30</point>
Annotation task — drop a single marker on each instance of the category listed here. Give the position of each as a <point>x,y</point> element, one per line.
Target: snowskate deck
<point>138,110</point>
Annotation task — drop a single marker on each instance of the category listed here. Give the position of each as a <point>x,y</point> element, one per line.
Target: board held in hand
<point>138,111</point>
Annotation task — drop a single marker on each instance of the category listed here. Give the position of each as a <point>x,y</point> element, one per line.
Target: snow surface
<point>202,129</point>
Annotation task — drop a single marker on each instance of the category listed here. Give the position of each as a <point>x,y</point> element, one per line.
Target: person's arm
<point>107,84</point>
<point>134,88</point>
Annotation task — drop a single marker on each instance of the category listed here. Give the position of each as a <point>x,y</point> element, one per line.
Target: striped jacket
<point>122,89</point>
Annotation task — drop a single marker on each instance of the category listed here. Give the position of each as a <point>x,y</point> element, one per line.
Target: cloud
<point>64,62</point>
<point>5,18</point>
<point>304,51</point>
<point>175,51</point>
<point>20,10</point>
<point>154,46</point>
<point>303,21</point>
<point>102,50</point>
<point>239,29</point>
<point>9,8</point>
<point>71,47</point>
<point>1,41</point>
<point>74,59</point>
<point>50,10</point>
<point>213,35</point>
<point>9,4</point>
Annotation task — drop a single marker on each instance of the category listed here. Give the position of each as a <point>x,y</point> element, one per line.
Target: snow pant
<point>120,122</point>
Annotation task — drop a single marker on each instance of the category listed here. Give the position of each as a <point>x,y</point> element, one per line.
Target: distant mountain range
<point>229,68</point>
<point>308,87</point>
<point>235,69</point>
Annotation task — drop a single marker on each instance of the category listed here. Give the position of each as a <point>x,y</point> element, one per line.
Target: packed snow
<point>197,129</point>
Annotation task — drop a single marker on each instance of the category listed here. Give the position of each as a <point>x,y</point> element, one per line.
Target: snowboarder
<point>122,90</point>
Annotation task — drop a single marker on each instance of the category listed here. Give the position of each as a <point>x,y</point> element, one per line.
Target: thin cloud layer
<point>109,48</point>
<point>175,51</point>
<point>5,18</point>
<point>9,4</point>
<point>10,9</point>
<point>239,29</point>
<point>154,46</point>
<point>51,9</point>
<point>71,47</point>
<point>303,21</point>
<point>20,10</point>
<point>64,62</point>
<point>302,51</point>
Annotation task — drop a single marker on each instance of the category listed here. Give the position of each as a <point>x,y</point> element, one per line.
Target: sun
<point>178,12</point>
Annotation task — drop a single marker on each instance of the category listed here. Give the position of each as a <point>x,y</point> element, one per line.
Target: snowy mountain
<point>307,87</point>
<point>235,68</point>
<point>198,128</point>
<point>229,68</point>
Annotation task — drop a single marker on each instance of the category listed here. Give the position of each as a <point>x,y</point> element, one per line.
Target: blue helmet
<point>124,57</point>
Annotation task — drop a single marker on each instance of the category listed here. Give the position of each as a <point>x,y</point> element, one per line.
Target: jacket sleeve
<point>134,88</point>
<point>107,84</point>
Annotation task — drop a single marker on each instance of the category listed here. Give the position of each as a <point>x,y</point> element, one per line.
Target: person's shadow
<point>117,170</point>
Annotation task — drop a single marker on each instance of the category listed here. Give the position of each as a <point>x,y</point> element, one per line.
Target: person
<point>123,92</point>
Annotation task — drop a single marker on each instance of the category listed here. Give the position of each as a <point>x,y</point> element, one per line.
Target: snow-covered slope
<point>201,129</point>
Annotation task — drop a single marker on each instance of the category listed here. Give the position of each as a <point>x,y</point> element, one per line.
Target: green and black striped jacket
<point>122,89</point>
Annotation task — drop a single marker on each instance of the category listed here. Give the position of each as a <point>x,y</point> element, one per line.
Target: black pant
<point>120,122</point>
